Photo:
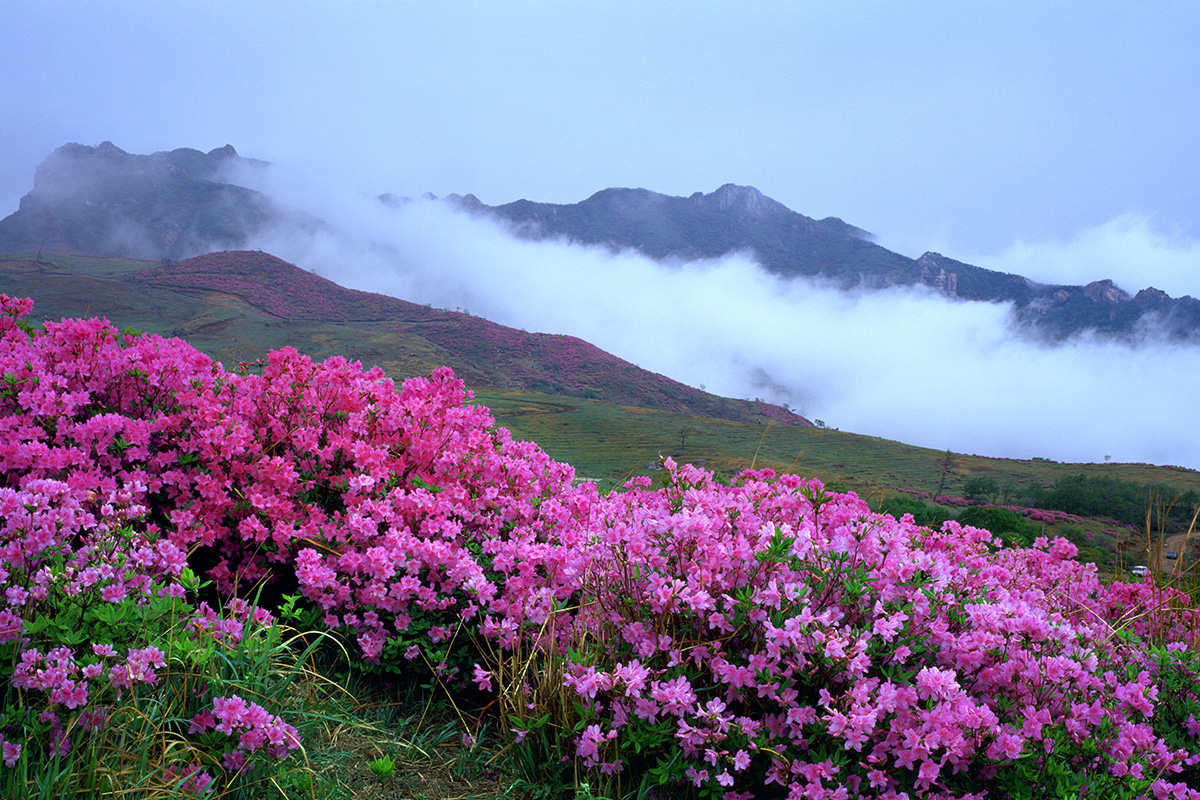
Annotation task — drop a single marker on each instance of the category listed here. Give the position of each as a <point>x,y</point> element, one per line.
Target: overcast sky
<point>967,128</point>
<point>1057,139</point>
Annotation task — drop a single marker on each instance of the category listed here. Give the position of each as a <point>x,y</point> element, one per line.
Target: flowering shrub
<point>83,703</point>
<point>255,727</point>
<point>762,639</point>
<point>778,634</point>
<point>93,575</point>
<point>362,491</point>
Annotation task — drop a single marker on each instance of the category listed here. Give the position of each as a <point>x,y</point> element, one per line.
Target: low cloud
<point>1128,249</point>
<point>902,364</point>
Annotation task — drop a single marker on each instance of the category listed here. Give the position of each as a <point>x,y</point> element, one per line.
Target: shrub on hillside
<point>1006,523</point>
<point>981,488</point>
<point>771,633</point>
<point>922,513</point>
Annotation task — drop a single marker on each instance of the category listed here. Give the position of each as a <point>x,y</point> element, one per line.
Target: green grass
<point>420,734</point>
<point>608,443</point>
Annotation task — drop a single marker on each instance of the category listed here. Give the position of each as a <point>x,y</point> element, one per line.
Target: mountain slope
<point>237,305</point>
<point>104,201</point>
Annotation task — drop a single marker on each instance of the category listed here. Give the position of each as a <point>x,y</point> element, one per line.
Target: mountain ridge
<point>104,201</point>
<point>789,244</point>
<point>181,203</point>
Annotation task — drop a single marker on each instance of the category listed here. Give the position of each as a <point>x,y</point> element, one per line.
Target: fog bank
<point>903,364</point>
<point>1129,249</point>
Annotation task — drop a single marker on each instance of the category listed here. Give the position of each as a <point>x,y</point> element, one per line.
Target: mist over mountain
<point>735,218</point>
<point>730,292</point>
<point>104,201</point>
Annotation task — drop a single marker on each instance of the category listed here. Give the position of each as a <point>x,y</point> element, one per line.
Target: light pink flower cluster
<point>11,752</point>
<point>791,636</point>
<point>66,681</point>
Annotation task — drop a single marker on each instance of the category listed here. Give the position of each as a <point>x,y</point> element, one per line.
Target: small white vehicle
<point>1140,570</point>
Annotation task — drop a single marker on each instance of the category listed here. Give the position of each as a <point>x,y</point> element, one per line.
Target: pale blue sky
<point>957,126</point>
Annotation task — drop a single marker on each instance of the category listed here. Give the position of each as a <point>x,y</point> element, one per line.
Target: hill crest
<point>482,352</point>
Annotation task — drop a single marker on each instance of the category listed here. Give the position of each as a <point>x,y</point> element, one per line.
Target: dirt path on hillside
<point>1177,543</point>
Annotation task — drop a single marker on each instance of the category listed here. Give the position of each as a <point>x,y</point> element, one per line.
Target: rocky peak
<point>1105,291</point>
<point>1151,297</point>
<point>78,171</point>
<point>469,201</point>
<point>105,201</point>
<point>82,171</point>
<point>107,150</point>
<point>933,274</point>
<point>71,156</point>
<point>745,199</point>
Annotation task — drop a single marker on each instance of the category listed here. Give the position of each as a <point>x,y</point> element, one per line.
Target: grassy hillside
<point>607,443</point>
<point>237,306</point>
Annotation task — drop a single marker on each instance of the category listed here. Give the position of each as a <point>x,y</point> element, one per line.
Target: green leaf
<point>421,483</point>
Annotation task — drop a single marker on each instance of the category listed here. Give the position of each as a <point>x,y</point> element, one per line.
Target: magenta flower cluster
<point>763,638</point>
<point>255,728</point>
<point>860,655</point>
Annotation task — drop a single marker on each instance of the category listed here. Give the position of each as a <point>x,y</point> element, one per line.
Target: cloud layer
<point>1128,249</point>
<point>901,364</point>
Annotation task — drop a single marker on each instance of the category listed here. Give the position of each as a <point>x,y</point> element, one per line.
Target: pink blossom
<point>12,752</point>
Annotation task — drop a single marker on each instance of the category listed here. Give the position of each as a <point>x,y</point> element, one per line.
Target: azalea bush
<point>772,634</point>
<point>128,458</point>
<point>769,638</point>
<point>100,683</point>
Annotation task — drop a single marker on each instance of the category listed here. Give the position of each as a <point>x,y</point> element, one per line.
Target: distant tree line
<point>1101,496</point>
<point>1113,498</point>
<point>1003,522</point>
